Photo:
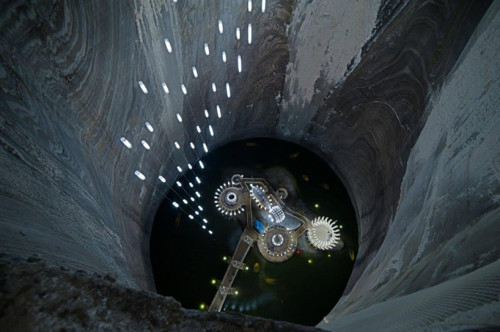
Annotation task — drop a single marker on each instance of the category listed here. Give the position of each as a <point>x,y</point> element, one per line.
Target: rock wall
<point>438,265</point>
<point>383,90</point>
<point>35,295</point>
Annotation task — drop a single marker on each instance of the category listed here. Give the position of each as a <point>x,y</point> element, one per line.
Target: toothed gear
<point>258,195</point>
<point>323,233</point>
<point>228,200</point>
<point>277,244</point>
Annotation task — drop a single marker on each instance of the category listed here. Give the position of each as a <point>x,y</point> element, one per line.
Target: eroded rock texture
<point>444,235</point>
<point>35,296</point>
<point>400,97</point>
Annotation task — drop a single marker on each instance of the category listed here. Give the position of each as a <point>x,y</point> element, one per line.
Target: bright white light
<point>249,6</point>
<point>200,208</point>
<point>219,114</point>
<point>184,90</point>
<point>207,50</point>
<point>201,164</point>
<point>198,129</point>
<point>175,204</point>
<point>162,179</point>
<point>211,130</point>
<point>168,46</point>
<point>198,179</point>
<point>184,201</point>
<point>149,126</point>
<point>179,169</point>
<point>238,33</point>
<point>210,232</point>
<point>195,72</point>
<point>198,194</point>
<point>191,184</point>
<point>165,88</point>
<point>140,175</point>
<point>228,90</point>
<point>191,217</point>
<point>143,87</point>
<point>205,221</point>
<point>224,58</point>
<point>177,145</point>
<point>204,227</point>
<point>191,144</point>
<point>249,33</point>
<point>145,145</point>
<point>239,64</point>
<point>179,184</point>
<point>189,166</point>
<point>263,5</point>
<point>179,117</point>
<point>197,213</point>
<point>214,87</point>
<point>221,27</point>
<point>126,142</point>
<point>192,199</point>
<point>205,147</point>
<point>206,114</point>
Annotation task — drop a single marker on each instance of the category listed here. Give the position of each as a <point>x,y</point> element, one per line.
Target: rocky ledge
<point>35,295</point>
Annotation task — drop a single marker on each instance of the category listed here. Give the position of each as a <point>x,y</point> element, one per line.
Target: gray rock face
<point>60,298</point>
<point>399,97</point>
<point>439,260</point>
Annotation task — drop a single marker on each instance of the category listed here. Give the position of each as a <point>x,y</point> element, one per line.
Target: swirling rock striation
<point>362,84</point>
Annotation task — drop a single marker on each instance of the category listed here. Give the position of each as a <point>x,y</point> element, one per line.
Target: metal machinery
<point>270,223</point>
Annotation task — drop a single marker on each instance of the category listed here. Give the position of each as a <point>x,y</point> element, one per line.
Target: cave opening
<point>192,242</point>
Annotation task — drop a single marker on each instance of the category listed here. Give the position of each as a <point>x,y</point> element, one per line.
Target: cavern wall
<point>438,265</point>
<point>395,95</point>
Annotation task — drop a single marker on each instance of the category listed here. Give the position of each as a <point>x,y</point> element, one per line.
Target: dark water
<point>186,259</point>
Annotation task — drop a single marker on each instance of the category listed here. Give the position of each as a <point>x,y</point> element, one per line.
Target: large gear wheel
<point>258,195</point>
<point>277,244</point>
<point>323,233</point>
<point>228,200</point>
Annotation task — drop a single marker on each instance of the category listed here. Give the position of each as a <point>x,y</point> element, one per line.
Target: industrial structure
<point>270,223</point>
